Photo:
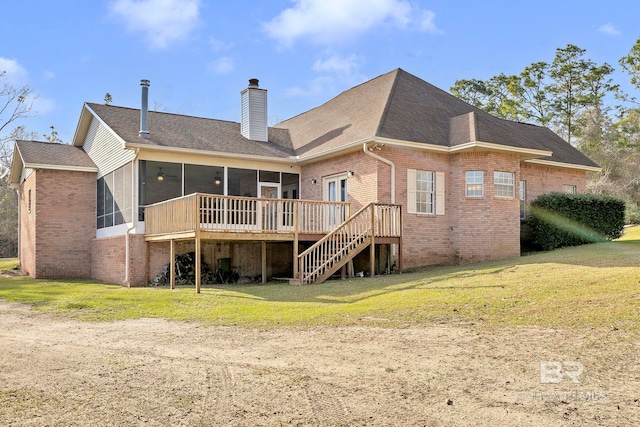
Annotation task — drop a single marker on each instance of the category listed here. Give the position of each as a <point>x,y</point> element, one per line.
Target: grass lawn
<point>595,285</point>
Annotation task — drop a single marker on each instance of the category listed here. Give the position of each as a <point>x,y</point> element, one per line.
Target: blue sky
<point>199,54</point>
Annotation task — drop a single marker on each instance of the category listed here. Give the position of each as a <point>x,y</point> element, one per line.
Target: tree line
<point>579,100</point>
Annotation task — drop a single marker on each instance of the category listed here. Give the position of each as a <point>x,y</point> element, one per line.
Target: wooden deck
<point>215,217</point>
<point>337,235</point>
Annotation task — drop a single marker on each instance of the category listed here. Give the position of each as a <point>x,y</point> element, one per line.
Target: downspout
<point>388,162</point>
<point>19,193</point>
<point>134,223</point>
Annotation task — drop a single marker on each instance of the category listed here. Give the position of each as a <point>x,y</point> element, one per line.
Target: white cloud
<point>42,105</point>
<point>221,65</point>
<point>330,21</point>
<point>48,75</point>
<point>426,23</point>
<point>609,29</point>
<point>317,86</point>
<point>14,73</point>
<point>337,73</point>
<point>162,21</point>
<point>335,64</point>
<point>218,45</point>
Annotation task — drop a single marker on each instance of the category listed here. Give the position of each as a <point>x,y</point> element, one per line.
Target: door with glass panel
<point>270,210</point>
<point>335,190</point>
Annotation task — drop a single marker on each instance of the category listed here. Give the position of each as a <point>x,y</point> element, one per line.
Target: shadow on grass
<point>357,289</point>
<point>438,279</point>
<point>597,255</point>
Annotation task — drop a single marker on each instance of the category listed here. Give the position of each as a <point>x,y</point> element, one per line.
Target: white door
<point>269,210</point>
<point>335,190</point>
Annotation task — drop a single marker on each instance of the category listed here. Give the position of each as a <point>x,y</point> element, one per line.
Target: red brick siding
<point>546,179</point>
<point>488,227</point>
<point>426,237</point>
<point>361,187</point>
<point>138,264</point>
<point>27,251</point>
<point>108,259</point>
<point>108,255</point>
<point>56,235</point>
<point>471,229</point>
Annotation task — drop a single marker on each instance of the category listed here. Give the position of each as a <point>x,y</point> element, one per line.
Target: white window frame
<point>431,185</point>
<point>523,199</point>
<point>474,184</point>
<point>570,189</point>
<point>504,185</point>
<point>425,192</point>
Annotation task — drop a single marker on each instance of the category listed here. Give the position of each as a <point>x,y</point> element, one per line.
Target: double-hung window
<point>504,185</point>
<point>474,184</point>
<point>425,192</point>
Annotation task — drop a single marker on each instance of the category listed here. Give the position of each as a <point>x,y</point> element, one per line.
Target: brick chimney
<point>254,112</point>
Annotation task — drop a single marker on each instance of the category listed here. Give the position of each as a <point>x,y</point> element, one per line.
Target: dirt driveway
<point>152,372</point>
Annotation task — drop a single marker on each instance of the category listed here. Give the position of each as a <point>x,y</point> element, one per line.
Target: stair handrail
<point>337,229</point>
<point>303,275</point>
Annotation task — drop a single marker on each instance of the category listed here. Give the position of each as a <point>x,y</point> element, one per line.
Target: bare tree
<point>15,104</point>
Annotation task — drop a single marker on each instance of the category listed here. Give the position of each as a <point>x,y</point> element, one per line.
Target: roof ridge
<point>389,98</point>
<point>340,94</point>
<point>42,142</point>
<point>163,112</point>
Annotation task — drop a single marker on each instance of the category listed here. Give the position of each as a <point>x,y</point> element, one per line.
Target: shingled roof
<point>188,132</point>
<point>396,105</point>
<point>403,107</point>
<point>46,155</point>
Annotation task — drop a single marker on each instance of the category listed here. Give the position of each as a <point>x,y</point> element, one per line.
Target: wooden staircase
<point>337,248</point>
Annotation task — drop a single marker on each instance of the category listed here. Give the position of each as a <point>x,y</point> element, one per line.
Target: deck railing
<point>325,256</point>
<point>210,212</point>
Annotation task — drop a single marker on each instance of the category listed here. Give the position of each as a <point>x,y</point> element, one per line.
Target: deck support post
<point>198,264</point>
<point>172,264</point>
<point>264,261</point>
<point>400,242</point>
<point>296,248</point>
<point>147,251</point>
<point>372,250</point>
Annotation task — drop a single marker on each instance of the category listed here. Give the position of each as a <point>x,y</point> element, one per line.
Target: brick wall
<point>108,259</point>
<point>426,237</point>
<point>56,235</point>
<point>27,250</point>
<point>546,179</point>
<point>487,227</point>
<point>138,264</point>
<point>472,229</point>
<point>361,187</point>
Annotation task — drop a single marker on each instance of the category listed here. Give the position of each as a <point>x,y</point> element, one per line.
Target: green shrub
<point>559,219</point>
<point>632,214</point>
